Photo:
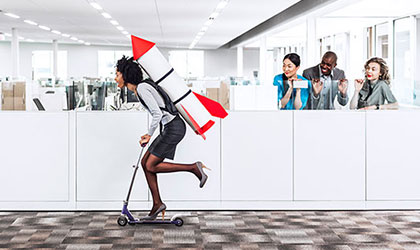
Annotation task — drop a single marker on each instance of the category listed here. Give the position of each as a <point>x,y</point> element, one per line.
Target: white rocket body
<point>157,67</point>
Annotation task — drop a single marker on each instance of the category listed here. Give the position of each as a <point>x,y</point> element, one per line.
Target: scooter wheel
<point>179,222</point>
<point>122,221</point>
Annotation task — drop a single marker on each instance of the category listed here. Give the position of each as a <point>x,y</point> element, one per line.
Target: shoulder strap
<point>169,105</point>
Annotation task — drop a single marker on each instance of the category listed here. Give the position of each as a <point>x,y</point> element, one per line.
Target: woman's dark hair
<point>130,70</point>
<point>294,58</point>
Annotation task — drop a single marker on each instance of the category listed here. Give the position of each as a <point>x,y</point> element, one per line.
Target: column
<point>263,64</point>
<point>55,61</point>
<point>312,56</point>
<point>240,61</point>
<point>15,53</point>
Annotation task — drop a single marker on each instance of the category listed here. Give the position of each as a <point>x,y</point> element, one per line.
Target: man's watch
<point>377,106</point>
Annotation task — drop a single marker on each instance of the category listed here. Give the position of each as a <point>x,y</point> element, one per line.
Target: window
<point>187,63</point>
<point>43,63</point>
<point>403,83</point>
<point>382,41</point>
<point>107,59</point>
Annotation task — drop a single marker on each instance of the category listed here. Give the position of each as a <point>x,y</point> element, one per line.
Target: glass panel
<point>107,59</point>
<point>403,84</point>
<point>382,41</point>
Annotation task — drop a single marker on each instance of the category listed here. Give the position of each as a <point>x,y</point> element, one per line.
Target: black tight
<point>153,165</point>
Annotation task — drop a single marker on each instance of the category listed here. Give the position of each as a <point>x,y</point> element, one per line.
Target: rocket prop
<point>197,110</point>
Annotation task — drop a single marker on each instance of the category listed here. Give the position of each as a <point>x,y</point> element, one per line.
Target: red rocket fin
<point>140,46</point>
<point>214,108</point>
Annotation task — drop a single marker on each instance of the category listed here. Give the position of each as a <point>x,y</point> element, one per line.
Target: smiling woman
<point>290,96</point>
<point>374,90</point>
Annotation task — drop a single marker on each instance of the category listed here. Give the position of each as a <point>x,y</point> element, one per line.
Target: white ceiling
<point>169,23</point>
<point>378,8</point>
<point>342,16</point>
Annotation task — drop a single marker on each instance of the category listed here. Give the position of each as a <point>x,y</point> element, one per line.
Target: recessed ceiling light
<point>56,32</point>
<point>87,44</point>
<point>120,28</point>
<point>30,40</point>
<point>214,15</point>
<point>74,38</point>
<point>221,5</point>
<point>81,41</point>
<point>96,6</point>
<point>7,34</point>
<point>209,22</point>
<point>11,15</point>
<point>21,38</point>
<point>125,32</point>
<point>30,22</point>
<point>65,35</point>
<point>44,27</point>
<point>106,15</point>
<point>114,22</point>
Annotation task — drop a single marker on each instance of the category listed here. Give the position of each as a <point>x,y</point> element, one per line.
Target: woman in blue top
<point>289,97</point>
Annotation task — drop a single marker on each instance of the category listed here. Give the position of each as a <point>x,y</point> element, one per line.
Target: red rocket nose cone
<point>140,46</point>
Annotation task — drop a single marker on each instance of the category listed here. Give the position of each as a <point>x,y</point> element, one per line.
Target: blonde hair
<point>384,70</point>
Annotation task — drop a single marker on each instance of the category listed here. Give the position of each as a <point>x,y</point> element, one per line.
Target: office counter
<point>259,160</point>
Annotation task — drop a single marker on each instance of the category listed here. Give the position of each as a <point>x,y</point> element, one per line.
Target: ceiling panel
<point>169,23</point>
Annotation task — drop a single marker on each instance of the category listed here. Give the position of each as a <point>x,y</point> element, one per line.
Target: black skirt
<point>164,145</point>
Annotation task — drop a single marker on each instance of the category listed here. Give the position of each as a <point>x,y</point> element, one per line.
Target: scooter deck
<point>137,221</point>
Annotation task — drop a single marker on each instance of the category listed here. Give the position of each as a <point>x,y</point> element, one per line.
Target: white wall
<point>83,60</point>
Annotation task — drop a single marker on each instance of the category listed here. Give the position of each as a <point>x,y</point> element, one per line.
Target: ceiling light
<point>201,33</point>
<point>81,41</point>
<point>65,35</point>
<point>87,44</point>
<point>214,15</point>
<point>125,32</point>
<point>30,40</point>
<point>11,15</point>
<point>120,28</point>
<point>7,34</point>
<point>30,22</point>
<point>209,22</point>
<point>74,38</point>
<point>221,5</point>
<point>21,38</point>
<point>114,22</point>
<point>44,27</point>
<point>106,15</point>
<point>56,32</point>
<point>96,6</point>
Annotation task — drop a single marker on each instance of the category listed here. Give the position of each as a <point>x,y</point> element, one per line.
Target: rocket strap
<point>182,97</point>
<point>166,75</point>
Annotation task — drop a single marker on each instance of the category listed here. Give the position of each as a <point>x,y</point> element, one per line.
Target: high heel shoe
<point>153,216</point>
<point>204,177</point>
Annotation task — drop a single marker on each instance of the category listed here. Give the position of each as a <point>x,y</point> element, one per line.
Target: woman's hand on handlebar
<point>144,140</point>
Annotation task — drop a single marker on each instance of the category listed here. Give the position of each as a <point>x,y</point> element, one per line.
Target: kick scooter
<point>127,218</point>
